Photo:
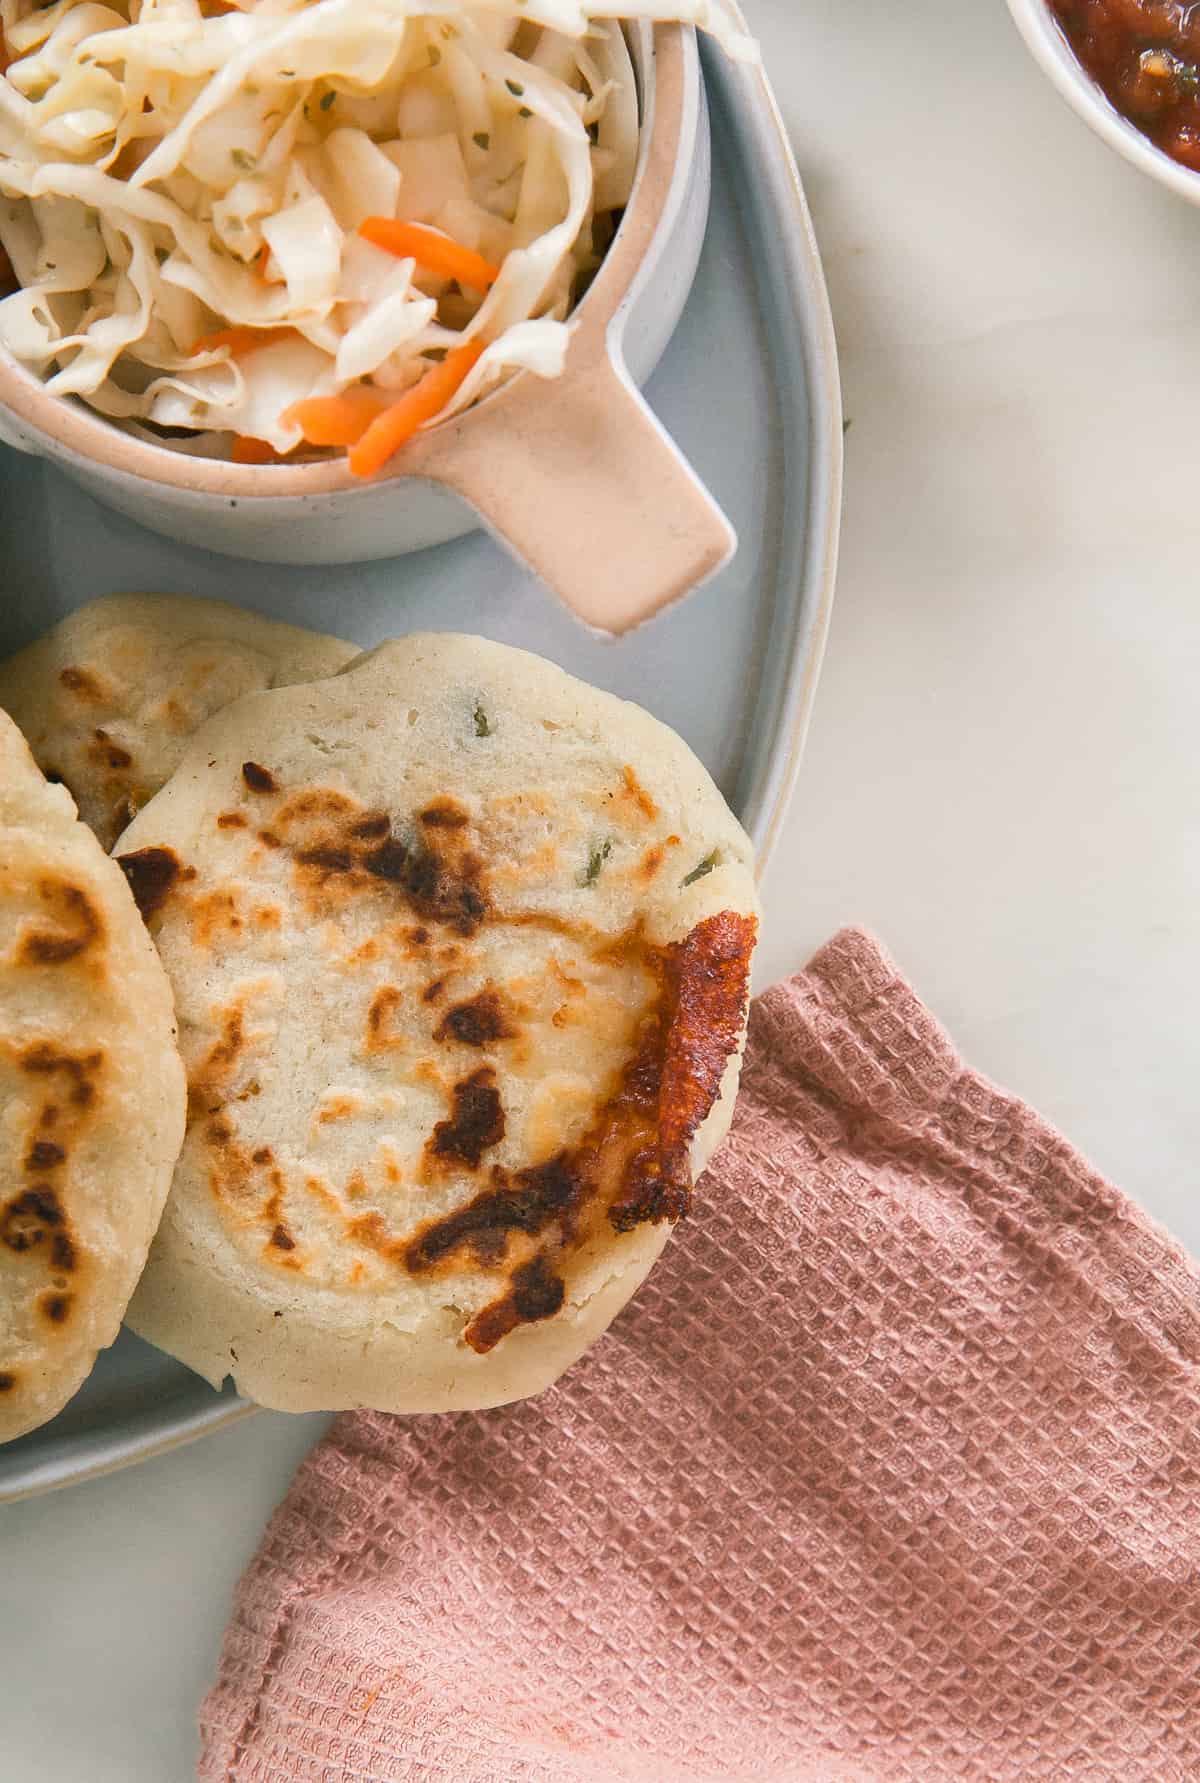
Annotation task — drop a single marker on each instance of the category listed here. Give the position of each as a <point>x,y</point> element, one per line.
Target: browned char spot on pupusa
<point>524,1201</point>
<point>230,1173</point>
<point>217,1084</point>
<point>63,1255</point>
<point>445,814</point>
<point>217,916</point>
<point>476,1124</point>
<point>8,1380</point>
<point>652,860</point>
<point>444,886</point>
<point>635,791</point>
<point>281,1240</point>
<point>80,1070</point>
<point>342,849</point>
<point>78,926</point>
<point>30,1217</point>
<point>258,778</point>
<point>537,1293</point>
<point>210,1080</point>
<point>35,1220</point>
<point>153,874</point>
<point>83,684</point>
<point>56,1307</point>
<point>479,1022</point>
<point>43,1154</point>
<point>380,1037</point>
<point>312,806</point>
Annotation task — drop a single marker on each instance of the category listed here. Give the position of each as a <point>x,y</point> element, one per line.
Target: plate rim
<point>811,574</point>
<point>815,566</point>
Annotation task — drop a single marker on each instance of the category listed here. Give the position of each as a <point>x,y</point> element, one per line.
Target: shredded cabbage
<point>178,174</point>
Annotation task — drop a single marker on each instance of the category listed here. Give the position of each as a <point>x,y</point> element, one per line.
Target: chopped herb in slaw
<point>258,228</point>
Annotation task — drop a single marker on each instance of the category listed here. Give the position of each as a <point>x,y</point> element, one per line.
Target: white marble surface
<point>1000,779</point>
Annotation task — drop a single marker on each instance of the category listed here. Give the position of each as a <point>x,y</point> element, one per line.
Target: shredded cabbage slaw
<point>251,227</point>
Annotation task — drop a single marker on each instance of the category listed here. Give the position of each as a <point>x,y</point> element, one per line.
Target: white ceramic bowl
<point>576,475</point>
<point>1056,58</point>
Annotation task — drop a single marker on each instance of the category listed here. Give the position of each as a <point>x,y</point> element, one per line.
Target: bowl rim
<point>66,428</point>
<point>1050,49</point>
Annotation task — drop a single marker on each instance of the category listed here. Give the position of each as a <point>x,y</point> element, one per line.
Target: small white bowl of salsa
<point>1130,69</point>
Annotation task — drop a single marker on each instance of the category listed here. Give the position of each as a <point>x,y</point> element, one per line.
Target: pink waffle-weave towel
<point>891,1472</point>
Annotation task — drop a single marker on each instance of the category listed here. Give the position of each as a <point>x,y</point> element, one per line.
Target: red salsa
<point>1145,54</point>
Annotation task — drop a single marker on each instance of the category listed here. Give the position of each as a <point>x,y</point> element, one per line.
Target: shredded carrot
<point>241,341</point>
<point>260,262</point>
<point>248,450</point>
<point>8,276</point>
<point>430,249</point>
<point>398,423</point>
<point>337,420</point>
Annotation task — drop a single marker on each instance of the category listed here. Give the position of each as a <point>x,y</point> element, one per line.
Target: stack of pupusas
<point>460,955</point>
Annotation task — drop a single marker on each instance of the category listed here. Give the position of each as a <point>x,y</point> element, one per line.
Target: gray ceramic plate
<point>749,388</point>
